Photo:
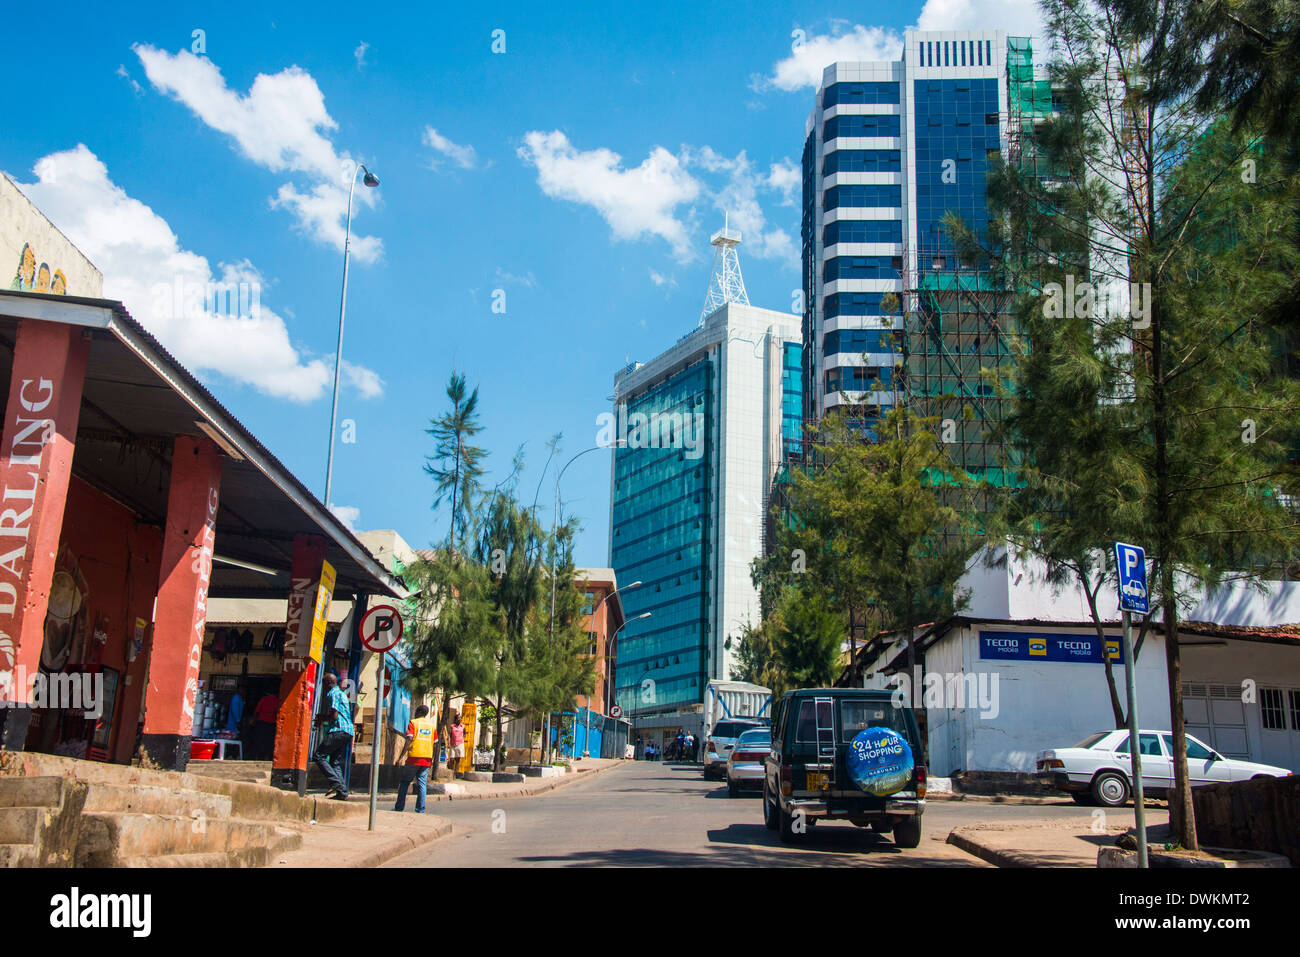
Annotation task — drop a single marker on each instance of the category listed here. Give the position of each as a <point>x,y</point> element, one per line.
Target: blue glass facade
<point>869,195</point>
<point>862,161</point>
<point>956,129</point>
<point>860,92</point>
<point>862,267</point>
<point>858,341</point>
<point>791,400</point>
<point>862,124</point>
<point>863,231</point>
<point>662,508</point>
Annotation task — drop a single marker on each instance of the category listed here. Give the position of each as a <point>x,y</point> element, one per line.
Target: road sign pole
<point>374,756</point>
<point>1134,742</point>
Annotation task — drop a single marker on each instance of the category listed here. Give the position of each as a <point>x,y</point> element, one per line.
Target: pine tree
<point>456,465</point>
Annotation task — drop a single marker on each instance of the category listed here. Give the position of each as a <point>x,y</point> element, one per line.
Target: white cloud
<point>634,202</point>
<point>360,54</point>
<point>659,279</point>
<point>349,515</point>
<point>144,266</point>
<point>527,279</point>
<point>281,125</point>
<point>462,156</point>
<point>1017,17</point>
<point>785,178</point>
<point>810,55</point>
<point>737,200</point>
<point>135,87</point>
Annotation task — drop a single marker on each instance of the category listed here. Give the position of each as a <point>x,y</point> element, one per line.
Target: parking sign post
<point>381,630</point>
<point>1131,569</point>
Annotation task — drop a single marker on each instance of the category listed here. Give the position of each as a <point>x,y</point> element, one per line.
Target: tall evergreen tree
<point>1149,397</point>
<point>456,465</point>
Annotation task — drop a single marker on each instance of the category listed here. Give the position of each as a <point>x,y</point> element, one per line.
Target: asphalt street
<point>649,814</point>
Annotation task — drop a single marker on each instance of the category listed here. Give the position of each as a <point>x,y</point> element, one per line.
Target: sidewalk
<point>1071,843</point>
<point>350,844</point>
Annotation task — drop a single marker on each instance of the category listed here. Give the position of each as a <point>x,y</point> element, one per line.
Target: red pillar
<point>181,612</point>
<point>298,679</point>
<point>36,446</point>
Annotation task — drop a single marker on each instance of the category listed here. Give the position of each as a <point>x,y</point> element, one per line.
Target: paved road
<point>650,814</point>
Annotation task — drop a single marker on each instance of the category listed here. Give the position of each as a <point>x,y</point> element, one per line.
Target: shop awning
<point>137,399</point>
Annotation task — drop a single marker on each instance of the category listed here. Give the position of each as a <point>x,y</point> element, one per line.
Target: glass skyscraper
<point>891,148</point>
<point>707,425</point>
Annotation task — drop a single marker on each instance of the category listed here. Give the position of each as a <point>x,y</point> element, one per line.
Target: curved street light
<point>372,181</point>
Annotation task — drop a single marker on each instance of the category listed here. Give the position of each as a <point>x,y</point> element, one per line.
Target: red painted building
<point>604,619</point>
<point>128,497</point>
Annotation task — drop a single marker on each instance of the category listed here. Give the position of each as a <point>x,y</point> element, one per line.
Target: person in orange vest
<point>421,739</point>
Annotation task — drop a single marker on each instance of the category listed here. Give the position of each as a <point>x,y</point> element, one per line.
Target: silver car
<point>745,762</point>
<point>721,739</point>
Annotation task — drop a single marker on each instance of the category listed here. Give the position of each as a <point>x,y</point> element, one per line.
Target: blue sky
<point>580,172</point>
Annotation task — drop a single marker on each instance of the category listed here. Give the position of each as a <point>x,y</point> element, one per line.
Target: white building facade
<point>1026,657</point>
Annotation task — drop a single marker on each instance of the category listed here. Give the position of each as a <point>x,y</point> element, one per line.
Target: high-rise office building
<point>890,148</point>
<point>705,427</point>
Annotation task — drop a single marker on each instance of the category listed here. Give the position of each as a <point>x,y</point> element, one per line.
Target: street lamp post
<point>609,644</point>
<point>372,181</point>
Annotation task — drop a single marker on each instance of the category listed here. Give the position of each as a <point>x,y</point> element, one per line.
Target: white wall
<point>21,224</point>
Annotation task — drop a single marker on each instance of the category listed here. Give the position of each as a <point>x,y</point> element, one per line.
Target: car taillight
<point>920,781</point>
<point>713,746</point>
<point>787,779</point>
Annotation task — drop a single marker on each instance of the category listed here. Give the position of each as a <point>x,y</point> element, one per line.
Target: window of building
<point>1294,697</point>
<point>1270,709</point>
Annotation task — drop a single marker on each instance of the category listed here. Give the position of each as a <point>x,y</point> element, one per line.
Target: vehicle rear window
<point>732,729</point>
<point>860,714</point>
<point>1091,739</point>
<point>759,737</point>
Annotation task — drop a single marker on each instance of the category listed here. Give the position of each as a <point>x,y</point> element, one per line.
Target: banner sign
<point>468,717</point>
<point>879,761</point>
<point>1047,646</point>
<point>321,616</point>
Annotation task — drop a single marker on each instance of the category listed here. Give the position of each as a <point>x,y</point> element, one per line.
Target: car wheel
<point>732,790</point>
<point>769,812</point>
<point>1110,789</point>
<point>907,834</point>
<point>1082,798</point>
<point>786,820</point>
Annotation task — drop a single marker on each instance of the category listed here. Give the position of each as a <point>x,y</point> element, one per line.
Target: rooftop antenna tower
<point>725,284</point>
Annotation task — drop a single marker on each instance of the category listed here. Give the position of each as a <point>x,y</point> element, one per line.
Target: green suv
<point>844,754</point>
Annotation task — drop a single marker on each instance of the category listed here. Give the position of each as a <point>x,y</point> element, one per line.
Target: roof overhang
<point>137,399</point>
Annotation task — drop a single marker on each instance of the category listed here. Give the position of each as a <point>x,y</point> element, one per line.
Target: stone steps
<point>146,799</point>
<point>39,819</point>
<point>112,839</point>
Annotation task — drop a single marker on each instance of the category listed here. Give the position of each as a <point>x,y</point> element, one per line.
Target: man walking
<point>336,715</point>
<point>421,738</point>
<point>455,742</point>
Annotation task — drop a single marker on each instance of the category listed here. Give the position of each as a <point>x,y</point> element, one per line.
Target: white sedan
<point>1099,769</point>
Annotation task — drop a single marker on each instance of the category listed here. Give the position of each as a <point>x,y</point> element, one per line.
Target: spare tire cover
<point>879,761</point>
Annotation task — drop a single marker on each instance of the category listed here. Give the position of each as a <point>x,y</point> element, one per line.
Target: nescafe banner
<point>879,761</point>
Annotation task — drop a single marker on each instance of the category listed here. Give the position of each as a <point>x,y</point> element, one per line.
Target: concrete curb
<point>543,785</point>
<point>391,848</point>
<point>998,798</point>
<point>990,855</point>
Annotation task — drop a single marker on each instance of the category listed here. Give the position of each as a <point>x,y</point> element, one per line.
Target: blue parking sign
<point>1131,565</point>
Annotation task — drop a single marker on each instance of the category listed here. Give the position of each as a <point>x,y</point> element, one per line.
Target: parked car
<point>745,762</point>
<point>719,744</point>
<point>1099,769</point>
<point>844,754</point>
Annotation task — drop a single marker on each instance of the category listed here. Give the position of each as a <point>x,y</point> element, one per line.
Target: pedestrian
<point>421,738</point>
<point>264,712</point>
<point>336,715</point>
<point>690,745</point>
<point>455,742</point>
